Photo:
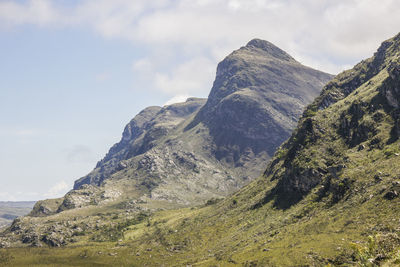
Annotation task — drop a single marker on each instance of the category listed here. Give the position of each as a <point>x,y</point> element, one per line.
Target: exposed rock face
<point>192,151</point>
<point>45,208</point>
<point>350,113</point>
<point>347,81</point>
<point>391,88</point>
<point>257,97</point>
<point>139,136</point>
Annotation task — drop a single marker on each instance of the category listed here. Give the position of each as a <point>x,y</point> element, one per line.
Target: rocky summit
<point>187,153</point>
<point>193,151</point>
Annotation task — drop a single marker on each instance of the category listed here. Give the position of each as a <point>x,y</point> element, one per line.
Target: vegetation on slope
<point>187,153</point>
<point>330,196</point>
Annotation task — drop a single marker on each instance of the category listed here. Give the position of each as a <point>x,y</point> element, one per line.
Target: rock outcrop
<point>190,152</point>
<point>361,103</point>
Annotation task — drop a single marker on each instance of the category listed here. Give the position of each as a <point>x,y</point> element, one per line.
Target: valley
<point>11,210</point>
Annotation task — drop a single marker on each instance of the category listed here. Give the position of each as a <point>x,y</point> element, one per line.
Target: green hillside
<point>329,196</point>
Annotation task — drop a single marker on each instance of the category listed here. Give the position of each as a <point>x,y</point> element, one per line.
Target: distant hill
<point>10,210</point>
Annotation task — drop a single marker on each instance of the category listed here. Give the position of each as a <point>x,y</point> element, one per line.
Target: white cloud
<point>58,190</point>
<point>22,134</point>
<point>177,99</point>
<point>329,35</point>
<point>26,132</point>
<point>40,12</point>
<point>19,196</point>
<point>114,18</point>
<point>6,196</point>
<point>101,77</point>
<point>143,65</point>
<point>80,154</point>
<point>189,78</point>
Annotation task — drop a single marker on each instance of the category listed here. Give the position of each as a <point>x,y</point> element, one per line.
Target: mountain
<point>189,152</point>
<point>329,196</point>
<point>10,210</point>
<point>185,153</point>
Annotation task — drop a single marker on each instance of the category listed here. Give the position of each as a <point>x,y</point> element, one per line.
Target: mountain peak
<point>259,43</point>
<point>270,48</point>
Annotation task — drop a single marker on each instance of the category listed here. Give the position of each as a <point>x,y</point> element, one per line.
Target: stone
<point>391,195</point>
<point>378,178</point>
<point>4,244</point>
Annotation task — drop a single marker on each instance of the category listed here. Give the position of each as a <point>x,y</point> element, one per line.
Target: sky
<point>74,73</point>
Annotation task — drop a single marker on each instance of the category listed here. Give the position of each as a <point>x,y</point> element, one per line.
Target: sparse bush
<point>377,249</point>
<point>310,113</point>
<point>281,153</point>
<point>212,201</point>
<point>116,231</point>
<point>365,255</point>
<point>78,233</point>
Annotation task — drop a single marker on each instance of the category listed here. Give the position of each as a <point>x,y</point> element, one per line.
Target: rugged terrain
<point>329,196</point>
<point>187,153</point>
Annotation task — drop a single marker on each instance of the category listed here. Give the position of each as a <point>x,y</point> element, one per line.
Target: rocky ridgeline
<point>193,151</point>
<point>371,96</point>
<point>190,152</point>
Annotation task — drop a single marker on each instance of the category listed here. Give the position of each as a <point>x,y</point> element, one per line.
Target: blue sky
<point>73,73</point>
<point>65,96</point>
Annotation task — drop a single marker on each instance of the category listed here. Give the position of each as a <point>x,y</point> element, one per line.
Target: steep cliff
<point>192,151</point>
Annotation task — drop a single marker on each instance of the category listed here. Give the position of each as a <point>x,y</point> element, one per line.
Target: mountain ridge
<point>270,49</point>
<point>184,154</point>
<point>329,197</point>
<point>248,81</point>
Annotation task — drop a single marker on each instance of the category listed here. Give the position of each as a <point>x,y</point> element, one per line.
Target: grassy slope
<point>345,219</point>
<point>232,232</point>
